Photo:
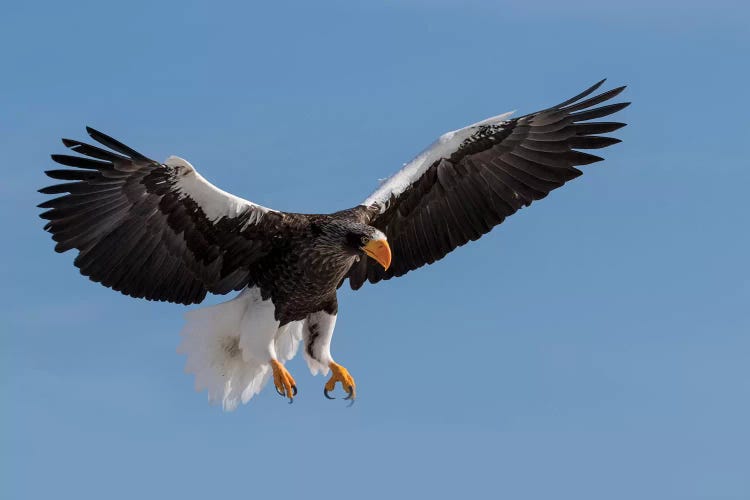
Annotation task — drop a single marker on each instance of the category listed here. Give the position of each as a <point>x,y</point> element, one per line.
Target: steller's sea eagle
<point>160,231</point>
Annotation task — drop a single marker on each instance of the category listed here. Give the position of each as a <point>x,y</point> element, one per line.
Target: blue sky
<point>594,346</point>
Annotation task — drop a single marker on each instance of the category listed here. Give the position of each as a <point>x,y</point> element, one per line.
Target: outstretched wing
<point>154,230</point>
<point>471,179</point>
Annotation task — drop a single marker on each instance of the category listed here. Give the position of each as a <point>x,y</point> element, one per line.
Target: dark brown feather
<point>488,177</point>
<point>137,235</point>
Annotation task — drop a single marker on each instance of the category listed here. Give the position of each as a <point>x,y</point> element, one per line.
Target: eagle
<point>161,231</point>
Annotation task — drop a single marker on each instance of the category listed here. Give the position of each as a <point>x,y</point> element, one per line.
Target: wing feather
<point>471,179</point>
<point>154,230</point>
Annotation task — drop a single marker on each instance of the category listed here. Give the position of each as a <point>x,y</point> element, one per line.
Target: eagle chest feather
<point>301,274</point>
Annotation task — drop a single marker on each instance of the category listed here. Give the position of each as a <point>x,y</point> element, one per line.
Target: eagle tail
<point>223,347</point>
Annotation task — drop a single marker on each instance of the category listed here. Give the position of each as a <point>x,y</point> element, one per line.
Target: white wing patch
<point>215,203</point>
<point>446,145</point>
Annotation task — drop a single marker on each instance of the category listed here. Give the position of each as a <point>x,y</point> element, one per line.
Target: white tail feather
<point>229,346</point>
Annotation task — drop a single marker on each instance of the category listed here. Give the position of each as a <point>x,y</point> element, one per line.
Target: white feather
<point>446,145</point>
<point>287,340</point>
<point>215,203</point>
<point>229,347</point>
<point>319,344</point>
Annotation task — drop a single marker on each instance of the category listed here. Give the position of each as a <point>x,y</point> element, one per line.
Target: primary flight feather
<point>161,231</point>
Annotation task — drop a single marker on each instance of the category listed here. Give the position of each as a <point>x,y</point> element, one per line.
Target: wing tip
<point>115,145</point>
<point>580,96</point>
<point>57,158</point>
<point>98,136</point>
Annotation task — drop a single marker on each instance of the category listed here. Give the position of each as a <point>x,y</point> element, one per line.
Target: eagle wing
<point>471,179</point>
<point>154,230</point>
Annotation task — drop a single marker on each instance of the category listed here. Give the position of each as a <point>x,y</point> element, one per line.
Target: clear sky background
<point>594,346</point>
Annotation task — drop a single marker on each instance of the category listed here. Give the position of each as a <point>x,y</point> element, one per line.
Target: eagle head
<point>354,239</point>
<point>371,242</point>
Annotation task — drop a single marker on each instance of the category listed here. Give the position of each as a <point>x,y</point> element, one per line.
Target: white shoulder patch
<point>215,203</point>
<point>444,147</point>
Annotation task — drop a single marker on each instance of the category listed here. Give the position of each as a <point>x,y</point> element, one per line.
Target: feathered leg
<point>317,336</point>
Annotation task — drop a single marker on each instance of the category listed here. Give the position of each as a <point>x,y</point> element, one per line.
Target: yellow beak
<point>380,251</point>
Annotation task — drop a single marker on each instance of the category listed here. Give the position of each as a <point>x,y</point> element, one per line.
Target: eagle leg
<point>283,381</point>
<point>340,374</point>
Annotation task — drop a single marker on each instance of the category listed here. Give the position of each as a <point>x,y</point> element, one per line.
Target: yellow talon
<point>283,380</point>
<point>340,374</point>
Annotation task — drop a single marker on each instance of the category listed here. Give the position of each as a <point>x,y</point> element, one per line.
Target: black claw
<point>294,390</point>
<point>291,400</point>
<point>325,393</point>
<point>350,397</point>
<point>279,392</point>
<point>350,391</point>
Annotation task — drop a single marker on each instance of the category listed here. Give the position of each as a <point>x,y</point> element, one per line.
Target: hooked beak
<point>380,251</point>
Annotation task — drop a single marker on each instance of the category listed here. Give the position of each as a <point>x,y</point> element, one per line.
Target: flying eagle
<point>161,231</point>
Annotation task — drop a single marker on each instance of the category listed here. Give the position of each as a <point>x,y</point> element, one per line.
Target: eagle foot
<point>340,374</point>
<point>283,381</point>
